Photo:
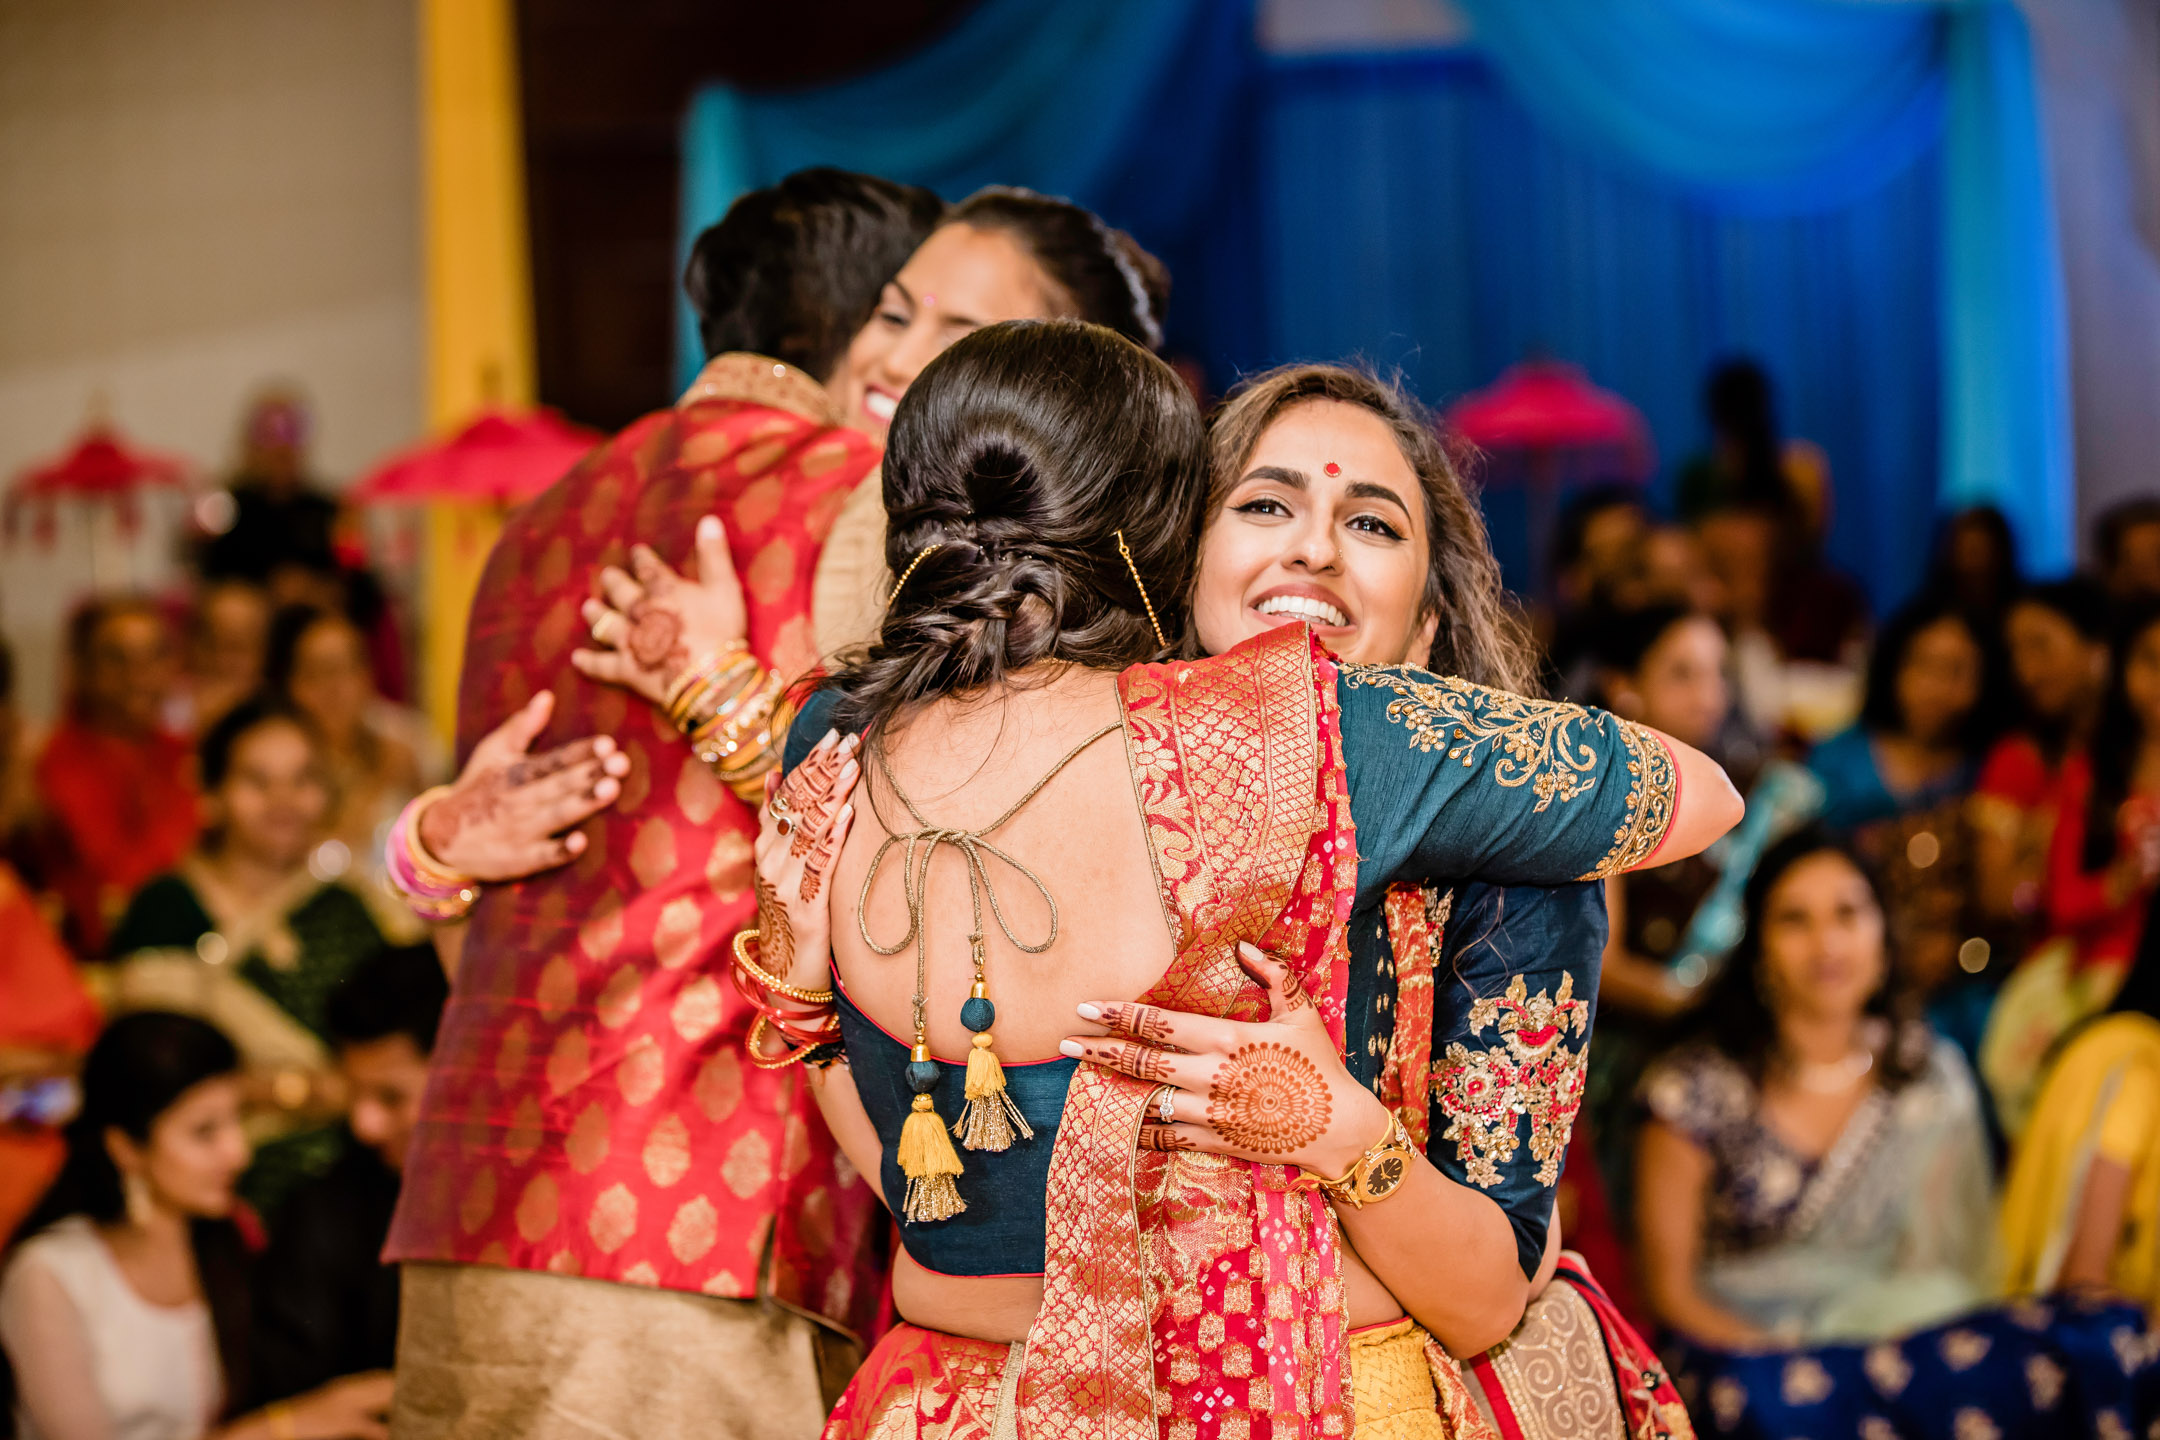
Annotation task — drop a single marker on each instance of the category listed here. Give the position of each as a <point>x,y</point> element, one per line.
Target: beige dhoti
<point>494,1353</point>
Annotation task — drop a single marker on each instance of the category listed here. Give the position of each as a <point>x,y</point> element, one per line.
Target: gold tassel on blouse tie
<point>989,1120</point>
<point>926,1151</point>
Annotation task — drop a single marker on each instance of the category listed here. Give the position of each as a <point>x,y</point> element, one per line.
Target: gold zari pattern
<point>1538,743</point>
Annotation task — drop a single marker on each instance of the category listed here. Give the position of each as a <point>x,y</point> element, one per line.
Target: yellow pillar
<point>479,293</point>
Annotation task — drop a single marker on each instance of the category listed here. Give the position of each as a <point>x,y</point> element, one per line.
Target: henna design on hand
<point>808,785</point>
<point>811,826</point>
<point>1155,1135</point>
<point>1294,996</point>
<point>655,638</point>
<point>1268,1099</point>
<point>776,937</point>
<point>1142,1022</point>
<point>813,874</point>
<point>464,807</point>
<point>1142,1062</point>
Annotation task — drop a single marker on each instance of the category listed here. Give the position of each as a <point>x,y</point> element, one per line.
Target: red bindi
<point>1332,468</point>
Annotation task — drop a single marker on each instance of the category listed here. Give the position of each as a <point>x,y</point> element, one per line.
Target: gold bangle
<point>426,866</point>
<point>743,940</point>
<point>712,689</point>
<point>279,1417</point>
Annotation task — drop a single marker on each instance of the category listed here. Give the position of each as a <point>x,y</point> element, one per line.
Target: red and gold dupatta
<point>1192,1291</point>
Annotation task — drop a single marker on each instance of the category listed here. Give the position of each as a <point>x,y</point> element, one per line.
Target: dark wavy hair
<point>1879,710</point>
<point>2117,740</point>
<point>793,270</point>
<point>138,1069</point>
<point>1020,454</point>
<point>1736,1017</point>
<point>1481,636</point>
<point>214,752</point>
<point>1101,273</point>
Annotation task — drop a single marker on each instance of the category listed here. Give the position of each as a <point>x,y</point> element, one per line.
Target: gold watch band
<point>1378,1173</point>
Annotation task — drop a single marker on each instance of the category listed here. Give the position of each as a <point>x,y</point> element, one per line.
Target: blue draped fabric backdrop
<point>1417,216</point>
<point>1640,190</point>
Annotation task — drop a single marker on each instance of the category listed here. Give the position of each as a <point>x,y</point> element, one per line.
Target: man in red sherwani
<point>612,1223</point>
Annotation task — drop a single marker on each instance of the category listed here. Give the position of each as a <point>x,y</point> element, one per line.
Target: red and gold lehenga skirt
<point>1191,1296</point>
<point>1573,1370</point>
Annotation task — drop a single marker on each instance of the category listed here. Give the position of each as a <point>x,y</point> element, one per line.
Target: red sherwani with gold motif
<point>589,1108</point>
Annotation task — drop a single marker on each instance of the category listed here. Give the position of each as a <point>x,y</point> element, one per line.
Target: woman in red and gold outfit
<point>1032,523</point>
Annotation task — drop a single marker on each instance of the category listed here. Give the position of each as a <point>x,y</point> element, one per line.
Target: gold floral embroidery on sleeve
<point>1529,1070</point>
<point>1535,742</point>
<point>1653,783</point>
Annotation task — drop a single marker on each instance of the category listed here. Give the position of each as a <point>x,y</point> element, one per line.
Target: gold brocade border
<point>1653,786</point>
<point>761,380</point>
<point>1226,768</point>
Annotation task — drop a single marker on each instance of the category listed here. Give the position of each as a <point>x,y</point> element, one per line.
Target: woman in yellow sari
<point>1206,1280</point>
<point>2082,1209</point>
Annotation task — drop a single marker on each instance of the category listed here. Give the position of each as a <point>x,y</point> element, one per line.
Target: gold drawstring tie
<point>989,1120</point>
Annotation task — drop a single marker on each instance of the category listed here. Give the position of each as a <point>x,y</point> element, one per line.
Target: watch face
<point>1387,1172</point>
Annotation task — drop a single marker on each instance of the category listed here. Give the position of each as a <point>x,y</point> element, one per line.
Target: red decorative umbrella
<point>100,467</point>
<point>502,456</point>
<point>1543,406</point>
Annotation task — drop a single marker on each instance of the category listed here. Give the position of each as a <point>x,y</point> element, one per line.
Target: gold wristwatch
<point>1378,1173</point>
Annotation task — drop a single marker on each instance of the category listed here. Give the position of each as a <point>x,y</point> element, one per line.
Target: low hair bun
<point>1015,460</point>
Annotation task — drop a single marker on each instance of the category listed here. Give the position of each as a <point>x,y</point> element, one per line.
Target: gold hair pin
<point>901,583</point>
<point>1141,586</point>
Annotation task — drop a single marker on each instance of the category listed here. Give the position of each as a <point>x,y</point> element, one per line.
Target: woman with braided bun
<point>1153,1194</point>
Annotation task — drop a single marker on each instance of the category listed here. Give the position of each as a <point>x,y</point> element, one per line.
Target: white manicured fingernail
<point>1088,1011</point>
<point>708,527</point>
<point>1072,1048</point>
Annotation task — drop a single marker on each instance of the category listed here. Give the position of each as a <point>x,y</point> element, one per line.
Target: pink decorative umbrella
<point>1544,407</point>
<point>1544,425</point>
<point>502,456</point>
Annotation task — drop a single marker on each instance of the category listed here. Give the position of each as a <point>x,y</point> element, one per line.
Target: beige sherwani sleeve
<point>847,593</point>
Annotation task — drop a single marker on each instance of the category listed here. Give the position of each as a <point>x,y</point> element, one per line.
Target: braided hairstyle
<point>1097,273</point>
<point>1020,454</point>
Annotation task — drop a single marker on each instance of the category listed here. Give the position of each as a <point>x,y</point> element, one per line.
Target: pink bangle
<point>435,892</point>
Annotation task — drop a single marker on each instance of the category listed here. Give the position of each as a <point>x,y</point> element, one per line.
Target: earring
<point>135,1195</point>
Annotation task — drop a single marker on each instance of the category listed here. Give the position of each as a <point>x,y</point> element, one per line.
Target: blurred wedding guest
<point>1896,783</point>
<point>115,788</point>
<point>2126,549</point>
<point>1662,666</point>
<point>47,1021</point>
<point>1814,1166</point>
<point>2102,863</point>
<point>2082,1206</point>
<point>1749,465</point>
<point>2105,852</point>
<point>281,531</point>
<point>2057,638</point>
<point>124,1307</point>
<point>1595,544</point>
<point>228,632</point>
<point>1668,567</point>
<point>1920,721</point>
<point>325,1304</point>
<point>243,930</point>
<point>376,754</point>
<point>1975,564</point>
